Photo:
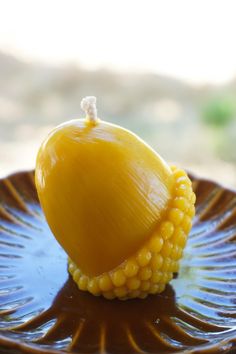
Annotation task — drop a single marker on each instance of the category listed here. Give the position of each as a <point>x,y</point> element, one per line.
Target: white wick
<point>88,104</point>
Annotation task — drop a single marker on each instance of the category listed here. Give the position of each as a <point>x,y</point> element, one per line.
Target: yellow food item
<point>119,211</point>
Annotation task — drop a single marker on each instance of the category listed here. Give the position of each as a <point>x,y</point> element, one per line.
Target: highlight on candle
<point>120,212</point>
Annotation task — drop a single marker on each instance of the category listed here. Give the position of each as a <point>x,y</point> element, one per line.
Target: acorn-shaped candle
<point>119,211</point>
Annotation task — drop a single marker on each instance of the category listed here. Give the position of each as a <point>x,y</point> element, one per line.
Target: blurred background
<point>164,69</point>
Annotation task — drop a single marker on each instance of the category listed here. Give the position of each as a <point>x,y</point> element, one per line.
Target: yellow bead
<point>131,268</point>
<point>144,257</point>
<point>109,295</point>
<point>145,285</point>
<point>72,267</point>
<point>175,267</point>
<point>133,283</point>
<point>172,262</point>
<point>143,295</point>
<point>134,293</point>
<point>184,180</point>
<point>191,211</point>
<point>166,229</point>
<point>156,276</point>
<point>154,289</point>
<point>156,262</point>
<point>183,191</point>
<point>193,198</point>
<point>179,173</point>
<point>164,278</point>
<point>182,240</point>
<point>76,275</point>
<point>105,283</point>
<point>83,282</point>
<point>175,252</point>
<point>176,234</point>
<point>93,287</point>
<point>120,292</point>
<point>166,264</point>
<point>118,278</point>
<point>145,273</point>
<point>181,203</point>
<point>179,253</point>
<point>176,216</point>
<point>166,249</point>
<point>186,224</point>
<point>179,238</point>
<point>123,298</point>
<point>156,244</point>
<point>173,168</point>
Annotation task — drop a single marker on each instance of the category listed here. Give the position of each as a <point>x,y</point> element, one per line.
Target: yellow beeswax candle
<point>118,210</point>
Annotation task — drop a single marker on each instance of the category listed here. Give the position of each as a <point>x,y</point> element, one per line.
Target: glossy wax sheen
<point>103,192</point>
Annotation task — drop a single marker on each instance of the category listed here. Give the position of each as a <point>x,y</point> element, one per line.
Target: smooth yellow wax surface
<point>103,192</point>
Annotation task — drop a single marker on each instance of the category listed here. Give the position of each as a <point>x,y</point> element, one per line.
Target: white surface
<point>193,40</point>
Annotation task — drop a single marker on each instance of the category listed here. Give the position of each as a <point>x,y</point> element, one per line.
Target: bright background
<point>164,69</point>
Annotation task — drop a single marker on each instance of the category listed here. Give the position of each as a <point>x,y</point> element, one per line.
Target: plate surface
<point>41,309</point>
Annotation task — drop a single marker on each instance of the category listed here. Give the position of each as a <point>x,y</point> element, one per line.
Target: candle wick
<point>88,105</point>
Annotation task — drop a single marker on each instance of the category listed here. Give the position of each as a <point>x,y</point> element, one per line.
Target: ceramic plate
<point>41,309</point>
